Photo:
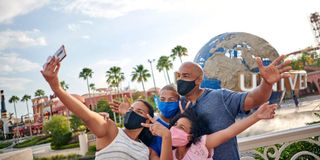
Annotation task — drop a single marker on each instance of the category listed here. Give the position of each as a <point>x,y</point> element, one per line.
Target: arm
<point>153,155</point>
<point>93,120</point>
<point>160,130</point>
<point>264,112</point>
<point>270,74</point>
<point>257,96</point>
<point>166,146</point>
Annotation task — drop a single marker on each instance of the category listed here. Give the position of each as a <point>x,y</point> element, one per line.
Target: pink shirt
<point>197,151</point>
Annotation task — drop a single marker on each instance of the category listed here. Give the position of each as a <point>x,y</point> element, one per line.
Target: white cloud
<point>20,39</point>
<point>13,8</point>
<point>86,22</point>
<point>109,63</point>
<point>11,62</point>
<point>73,27</point>
<point>108,8</point>
<point>14,84</point>
<point>86,37</point>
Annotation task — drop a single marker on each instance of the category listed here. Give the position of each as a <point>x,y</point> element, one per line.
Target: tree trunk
<point>144,90</point>
<point>165,77</point>
<point>114,114</point>
<point>168,76</point>
<point>180,59</point>
<point>90,104</point>
<point>15,111</point>
<point>29,118</point>
<point>121,101</point>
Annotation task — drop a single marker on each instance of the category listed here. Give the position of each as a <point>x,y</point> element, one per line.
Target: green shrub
<point>5,144</point>
<point>77,124</point>
<point>60,157</point>
<point>67,146</point>
<point>33,141</point>
<point>91,150</point>
<point>58,128</point>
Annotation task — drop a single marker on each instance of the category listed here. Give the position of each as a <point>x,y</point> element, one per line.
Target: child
<point>187,128</point>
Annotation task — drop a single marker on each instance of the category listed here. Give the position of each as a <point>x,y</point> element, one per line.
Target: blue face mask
<point>168,109</point>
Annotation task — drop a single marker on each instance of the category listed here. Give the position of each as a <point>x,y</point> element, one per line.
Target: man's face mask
<point>168,109</point>
<point>132,120</point>
<point>184,87</point>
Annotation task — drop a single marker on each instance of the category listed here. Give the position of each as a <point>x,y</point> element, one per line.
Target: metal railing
<point>283,139</point>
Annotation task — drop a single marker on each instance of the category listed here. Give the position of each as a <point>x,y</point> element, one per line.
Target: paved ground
<point>288,116</point>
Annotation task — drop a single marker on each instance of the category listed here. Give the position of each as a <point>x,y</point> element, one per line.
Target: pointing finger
<point>259,63</point>
<point>146,125</point>
<point>151,119</point>
<point>277,60</point>
<point>188,104</point>
<point>180,107</point>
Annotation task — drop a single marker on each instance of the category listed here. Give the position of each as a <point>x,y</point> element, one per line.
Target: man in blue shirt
<point>219,108</point>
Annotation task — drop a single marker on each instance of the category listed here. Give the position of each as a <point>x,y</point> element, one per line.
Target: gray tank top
<point>123,148</point>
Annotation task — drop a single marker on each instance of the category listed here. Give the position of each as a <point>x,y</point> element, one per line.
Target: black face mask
<point>132,120</point>
<point>184,87</point>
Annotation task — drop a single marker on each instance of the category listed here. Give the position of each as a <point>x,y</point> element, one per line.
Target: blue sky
<point>125,33</point>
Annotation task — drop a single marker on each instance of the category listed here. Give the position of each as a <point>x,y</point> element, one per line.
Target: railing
<point>248,145</point>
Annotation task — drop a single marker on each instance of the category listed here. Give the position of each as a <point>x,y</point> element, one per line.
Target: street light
<point>154,82</point>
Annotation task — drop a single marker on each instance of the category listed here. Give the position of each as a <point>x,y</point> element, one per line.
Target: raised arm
<point>265,111</point>
<point>158,129</point>
<point>270,74</point>
<point>93,120</point>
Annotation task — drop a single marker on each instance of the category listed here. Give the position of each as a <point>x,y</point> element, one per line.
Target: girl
<point>187,129</point>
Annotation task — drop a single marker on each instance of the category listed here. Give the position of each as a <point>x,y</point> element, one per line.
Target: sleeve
<point>234,101</point>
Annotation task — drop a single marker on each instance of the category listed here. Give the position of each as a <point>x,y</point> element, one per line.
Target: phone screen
<point>61,53</point>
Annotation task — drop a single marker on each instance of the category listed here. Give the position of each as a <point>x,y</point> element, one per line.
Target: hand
<point>121,108</point>
<point>181,108</point>
<point>275,71</point>
<point>156,128</point>
<point>266,111</point>
<point>105,115</point>
<point>50,72</point>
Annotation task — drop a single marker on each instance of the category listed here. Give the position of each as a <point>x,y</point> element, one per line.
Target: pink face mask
<point>179,137</point>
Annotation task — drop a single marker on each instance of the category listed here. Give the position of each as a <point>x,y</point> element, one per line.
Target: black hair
<point>145,135</point>
<point>197,125</point>
<point>151,111</point>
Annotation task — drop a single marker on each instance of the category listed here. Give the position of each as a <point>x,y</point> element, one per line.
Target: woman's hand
<point>121,107</point>
<point>266,111</point>
<point>50,72</point>
<point>156,128</point>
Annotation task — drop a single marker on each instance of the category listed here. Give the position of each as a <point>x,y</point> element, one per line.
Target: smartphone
<point>61,53</point>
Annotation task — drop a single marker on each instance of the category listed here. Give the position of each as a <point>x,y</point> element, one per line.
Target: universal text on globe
<point>297,81</point>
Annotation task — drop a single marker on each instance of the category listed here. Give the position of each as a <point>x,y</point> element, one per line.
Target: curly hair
<point>197,125</point>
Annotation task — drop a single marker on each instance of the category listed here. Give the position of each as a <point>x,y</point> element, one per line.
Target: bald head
<point>192,68</point>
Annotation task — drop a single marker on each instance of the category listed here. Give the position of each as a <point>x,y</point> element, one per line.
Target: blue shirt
<point>157,141</point>
<point>219,108</point>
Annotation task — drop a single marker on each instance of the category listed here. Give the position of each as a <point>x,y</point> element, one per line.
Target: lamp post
<point>154,82</point>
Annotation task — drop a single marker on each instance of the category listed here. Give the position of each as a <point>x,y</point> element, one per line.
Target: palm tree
<point>26,98</point>
<point>86,73</point>
<point>64,85</point>
<point>114,77</point>
<point>164,63</point>
<point>179,51</point>
<point>14,100</point>
<point>39,93</point>
<point>92,87</point>
<point>140,74</point>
